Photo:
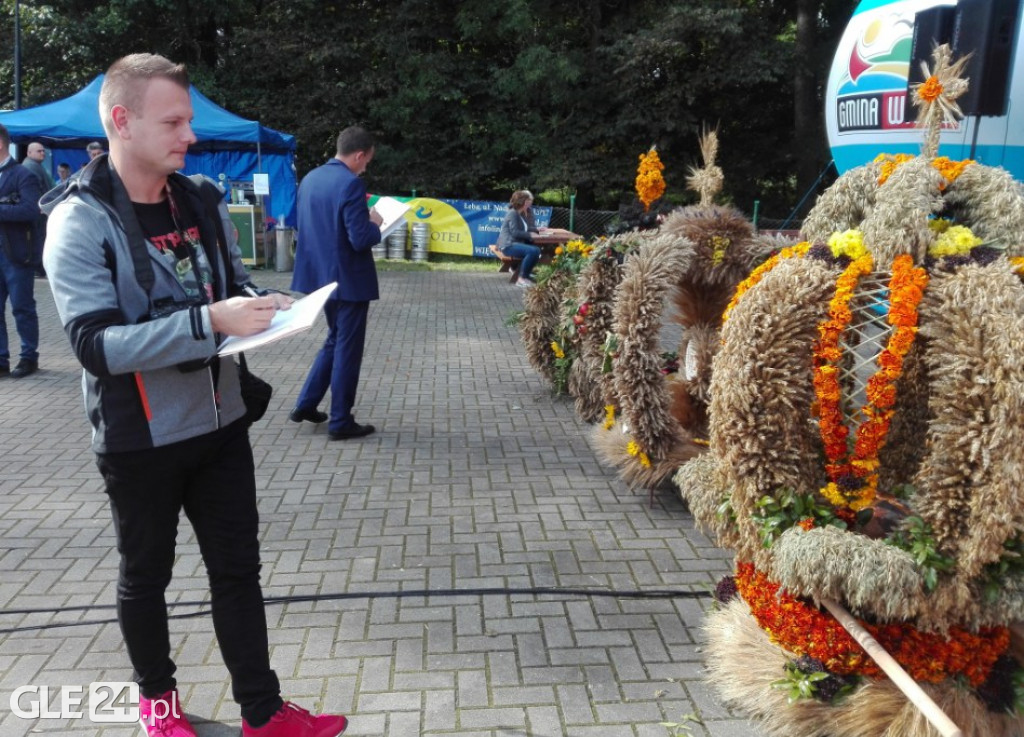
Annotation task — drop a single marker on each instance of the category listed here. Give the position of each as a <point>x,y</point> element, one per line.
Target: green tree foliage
<point>475,99</point>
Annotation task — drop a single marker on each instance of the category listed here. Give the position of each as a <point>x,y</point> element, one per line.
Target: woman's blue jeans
<point>529,254</point>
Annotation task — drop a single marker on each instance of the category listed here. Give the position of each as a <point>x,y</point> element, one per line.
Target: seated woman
<point>516,235</point>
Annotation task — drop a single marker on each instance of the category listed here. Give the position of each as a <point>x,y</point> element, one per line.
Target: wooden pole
<point>894,670</point>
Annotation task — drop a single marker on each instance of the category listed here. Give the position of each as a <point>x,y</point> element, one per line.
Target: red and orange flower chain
<point>853,475</point>
<point>803,629</point>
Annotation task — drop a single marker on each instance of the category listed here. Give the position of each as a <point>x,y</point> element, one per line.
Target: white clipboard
<point>301,316</point>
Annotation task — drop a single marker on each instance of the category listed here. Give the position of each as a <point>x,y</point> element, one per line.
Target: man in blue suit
<point>336,234</point>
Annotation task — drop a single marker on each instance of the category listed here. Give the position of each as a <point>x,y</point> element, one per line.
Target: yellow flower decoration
<point>719,245</point>
<point>633,448</point>
<point>609,416</point>
<point>644,460</point>
<point>557,350</point>
<point>953,241</point>
<point>849,243</point>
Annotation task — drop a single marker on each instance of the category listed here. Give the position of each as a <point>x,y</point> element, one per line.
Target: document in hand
<point>392,211</point>
<point>301,316</point>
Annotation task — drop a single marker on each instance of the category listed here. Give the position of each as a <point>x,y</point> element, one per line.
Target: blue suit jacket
<point>335,235</point>
<point>19,211</point>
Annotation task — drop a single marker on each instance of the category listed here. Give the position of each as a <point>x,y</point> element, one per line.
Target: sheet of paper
<point>260,183</point>
<point>393,213</point>
<point>301,316</point>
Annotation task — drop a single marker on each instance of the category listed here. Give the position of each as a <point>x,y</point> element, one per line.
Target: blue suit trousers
<point>17,282</point>
<point>336,366</point>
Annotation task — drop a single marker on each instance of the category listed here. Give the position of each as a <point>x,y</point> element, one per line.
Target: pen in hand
<point>281,301</point>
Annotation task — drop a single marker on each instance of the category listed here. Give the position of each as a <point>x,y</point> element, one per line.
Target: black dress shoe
<point>309,415</point>
<point>355,430</point>
<point>5,370</point>
<point>24,368</point>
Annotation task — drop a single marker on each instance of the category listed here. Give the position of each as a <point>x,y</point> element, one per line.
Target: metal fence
<point>588,223</point>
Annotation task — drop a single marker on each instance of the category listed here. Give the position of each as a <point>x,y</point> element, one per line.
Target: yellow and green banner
<point>462,227</point>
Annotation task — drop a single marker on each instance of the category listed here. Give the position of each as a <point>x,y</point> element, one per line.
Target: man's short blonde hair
<point>126,80</point>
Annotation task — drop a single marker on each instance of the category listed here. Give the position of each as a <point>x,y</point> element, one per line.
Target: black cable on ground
<point>446,593</point>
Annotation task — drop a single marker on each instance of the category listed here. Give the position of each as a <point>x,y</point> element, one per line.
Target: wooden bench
<point>507,262</point>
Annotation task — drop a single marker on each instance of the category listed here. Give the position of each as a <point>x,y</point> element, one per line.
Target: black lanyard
<point>192,245</point>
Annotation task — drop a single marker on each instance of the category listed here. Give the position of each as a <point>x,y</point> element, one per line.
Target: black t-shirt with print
<point>159,228</point>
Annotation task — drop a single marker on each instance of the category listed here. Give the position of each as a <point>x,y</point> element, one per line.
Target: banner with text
<point>462,227</point>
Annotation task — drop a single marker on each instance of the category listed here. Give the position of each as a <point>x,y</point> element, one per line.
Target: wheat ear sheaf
<point>936,97</point>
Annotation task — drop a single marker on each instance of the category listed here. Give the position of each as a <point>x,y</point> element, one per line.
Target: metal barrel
<point>396,241</point>
<point>420,241</point>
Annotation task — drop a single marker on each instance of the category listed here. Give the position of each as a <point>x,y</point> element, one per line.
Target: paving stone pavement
<point>476,479</point>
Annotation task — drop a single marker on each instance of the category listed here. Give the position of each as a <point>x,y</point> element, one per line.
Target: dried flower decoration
<point>650,184</point>
<point>936,96</point>
<point>707,181</point>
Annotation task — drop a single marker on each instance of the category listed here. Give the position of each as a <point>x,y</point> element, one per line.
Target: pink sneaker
<point>294,721</point>
<point>164,717</point>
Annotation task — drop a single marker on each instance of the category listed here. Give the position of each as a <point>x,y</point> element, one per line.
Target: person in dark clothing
<point>146,292</point>
<point>19,256</point>
<point>336,234</point>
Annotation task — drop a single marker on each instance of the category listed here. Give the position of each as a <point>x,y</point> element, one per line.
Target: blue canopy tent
<point>227,144</point>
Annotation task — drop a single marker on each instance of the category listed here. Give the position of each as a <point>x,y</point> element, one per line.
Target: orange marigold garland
<point>827,389</point>
<point>948,168</point>
<point>853,472</point>
<point>650,185</point>
<point>890,162</point>
<point>757,274</point>
<point>803,629</point>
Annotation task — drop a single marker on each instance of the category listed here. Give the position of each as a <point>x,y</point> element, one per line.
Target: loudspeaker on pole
<point>987,29</point>
<point>932,27</point>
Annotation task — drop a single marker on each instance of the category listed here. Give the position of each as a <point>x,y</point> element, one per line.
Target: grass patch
<point>439,262</point>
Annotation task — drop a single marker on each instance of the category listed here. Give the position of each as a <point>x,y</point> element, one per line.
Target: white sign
<point>261,183</point>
